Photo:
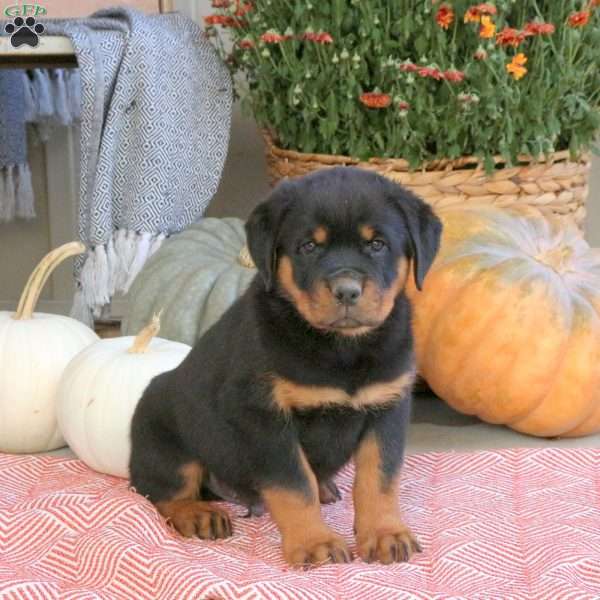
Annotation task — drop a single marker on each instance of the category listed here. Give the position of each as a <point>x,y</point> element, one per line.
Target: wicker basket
<point>559,186</point>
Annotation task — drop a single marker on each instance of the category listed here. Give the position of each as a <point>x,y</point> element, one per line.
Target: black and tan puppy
<point>311,367</point>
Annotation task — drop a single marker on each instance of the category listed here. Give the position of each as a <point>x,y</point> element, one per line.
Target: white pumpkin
<point>100,389</point>
<point>34,350</point>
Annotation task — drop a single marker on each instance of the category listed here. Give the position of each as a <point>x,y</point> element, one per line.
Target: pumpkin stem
<point>39,276</point>
<point>145,336</point>
<point>245,259</point>
<point>556,258</point>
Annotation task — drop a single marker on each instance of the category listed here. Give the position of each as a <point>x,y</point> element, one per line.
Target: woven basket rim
<point>400,164</point>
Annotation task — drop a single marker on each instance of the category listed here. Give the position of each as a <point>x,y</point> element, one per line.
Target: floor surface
<point>437,427</point>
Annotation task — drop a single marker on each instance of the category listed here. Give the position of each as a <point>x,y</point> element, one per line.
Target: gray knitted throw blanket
<point>44,98</point>
<point>155,115</point>
<point>16,193</point>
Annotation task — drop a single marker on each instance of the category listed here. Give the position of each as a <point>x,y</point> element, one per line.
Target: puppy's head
<point>339,243</point>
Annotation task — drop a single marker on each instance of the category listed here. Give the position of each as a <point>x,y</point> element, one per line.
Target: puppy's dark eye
<point>308,247</point>
<point>376,245</point>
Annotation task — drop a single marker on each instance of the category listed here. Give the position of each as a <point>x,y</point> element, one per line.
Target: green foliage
<point>308,93</point>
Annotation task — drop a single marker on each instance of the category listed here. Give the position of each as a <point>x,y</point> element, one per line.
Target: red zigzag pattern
<point>510,524</point>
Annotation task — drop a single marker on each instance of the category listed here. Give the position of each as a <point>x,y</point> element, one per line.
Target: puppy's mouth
<point>349,325</point>
<point>346,323</point>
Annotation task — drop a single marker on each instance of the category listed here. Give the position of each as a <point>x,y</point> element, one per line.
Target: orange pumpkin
<point>507,326</point>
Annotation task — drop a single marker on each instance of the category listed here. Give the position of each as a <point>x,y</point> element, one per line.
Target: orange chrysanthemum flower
<point>243,9</point>
<point>474,14</point>
<point>594,3</point>
<point>431,72</point>
<point>246,44</point>
<point>375,99</point>
<point>224,20</point>
<point>486,9</point>
<point>539,29</point>
<point>454,76</point>
<point>319,38</point>
<point>579,19</point>
<point>403,105</point>
<point>488,27</point>
<point>409,67</point>
<point>516,68</point>
<point>444,16</point>
<point>510,37</point>
<point>272,37</point>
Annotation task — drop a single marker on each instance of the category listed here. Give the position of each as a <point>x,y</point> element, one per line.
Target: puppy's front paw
<point>387,544</point>
<point>327,548</point>
<point>194,518</point>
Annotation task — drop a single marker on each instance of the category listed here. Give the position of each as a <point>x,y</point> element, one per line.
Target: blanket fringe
<point>52,97</point>
<point>16,193</point>
<point>110,268</point>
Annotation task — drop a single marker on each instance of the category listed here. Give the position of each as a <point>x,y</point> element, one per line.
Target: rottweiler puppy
<point>311,367</point>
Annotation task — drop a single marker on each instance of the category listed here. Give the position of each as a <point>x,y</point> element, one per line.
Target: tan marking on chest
<point>289,395</point>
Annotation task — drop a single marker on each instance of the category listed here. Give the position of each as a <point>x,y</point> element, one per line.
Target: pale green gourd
<point>193,279</point>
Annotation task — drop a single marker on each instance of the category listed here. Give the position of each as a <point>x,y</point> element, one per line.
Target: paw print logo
<point>24,31</point>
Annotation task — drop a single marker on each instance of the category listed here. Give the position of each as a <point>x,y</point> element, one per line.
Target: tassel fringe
<point>52,97</point>
<point>16,193</point>
<point>110,268</point>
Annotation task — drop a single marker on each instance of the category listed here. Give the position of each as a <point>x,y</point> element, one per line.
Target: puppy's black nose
<point>346,290</point>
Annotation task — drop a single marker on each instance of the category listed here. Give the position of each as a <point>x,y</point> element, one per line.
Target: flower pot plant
<point>495,102</point>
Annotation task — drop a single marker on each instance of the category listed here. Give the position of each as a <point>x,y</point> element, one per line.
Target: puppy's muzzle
<point>346,288</point>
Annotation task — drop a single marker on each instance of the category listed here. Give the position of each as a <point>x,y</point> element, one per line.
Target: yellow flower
<point>488,27</point>
<point>516,68</point>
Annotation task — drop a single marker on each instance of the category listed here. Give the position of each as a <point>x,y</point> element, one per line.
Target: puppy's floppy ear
<point>424,229</point>
<point>262,231</point>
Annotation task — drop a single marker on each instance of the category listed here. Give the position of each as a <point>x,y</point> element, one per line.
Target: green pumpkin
<point>194,277</point>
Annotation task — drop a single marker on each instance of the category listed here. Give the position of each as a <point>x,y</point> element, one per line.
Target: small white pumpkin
<point>34,350</point>
<point>100,389</point>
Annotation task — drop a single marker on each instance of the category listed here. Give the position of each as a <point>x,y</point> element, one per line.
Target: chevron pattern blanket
<point>155,114</point>
<point>514,524</point>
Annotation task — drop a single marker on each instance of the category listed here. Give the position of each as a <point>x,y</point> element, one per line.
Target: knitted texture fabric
<point>16,194</point>
<point>45,99</point>
<point>155,115</point>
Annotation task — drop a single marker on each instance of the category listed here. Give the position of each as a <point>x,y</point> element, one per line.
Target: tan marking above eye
<point>367,232</point>
<point>320,235</point>
<point>289,395</point>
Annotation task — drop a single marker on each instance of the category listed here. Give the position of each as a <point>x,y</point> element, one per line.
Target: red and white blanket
<point>509,524</point>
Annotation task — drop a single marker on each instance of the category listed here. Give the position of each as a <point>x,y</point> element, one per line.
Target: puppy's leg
<point>172,482</point>
<point>380,532</point>
<point>296,511</point>
<point>188,514</point>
